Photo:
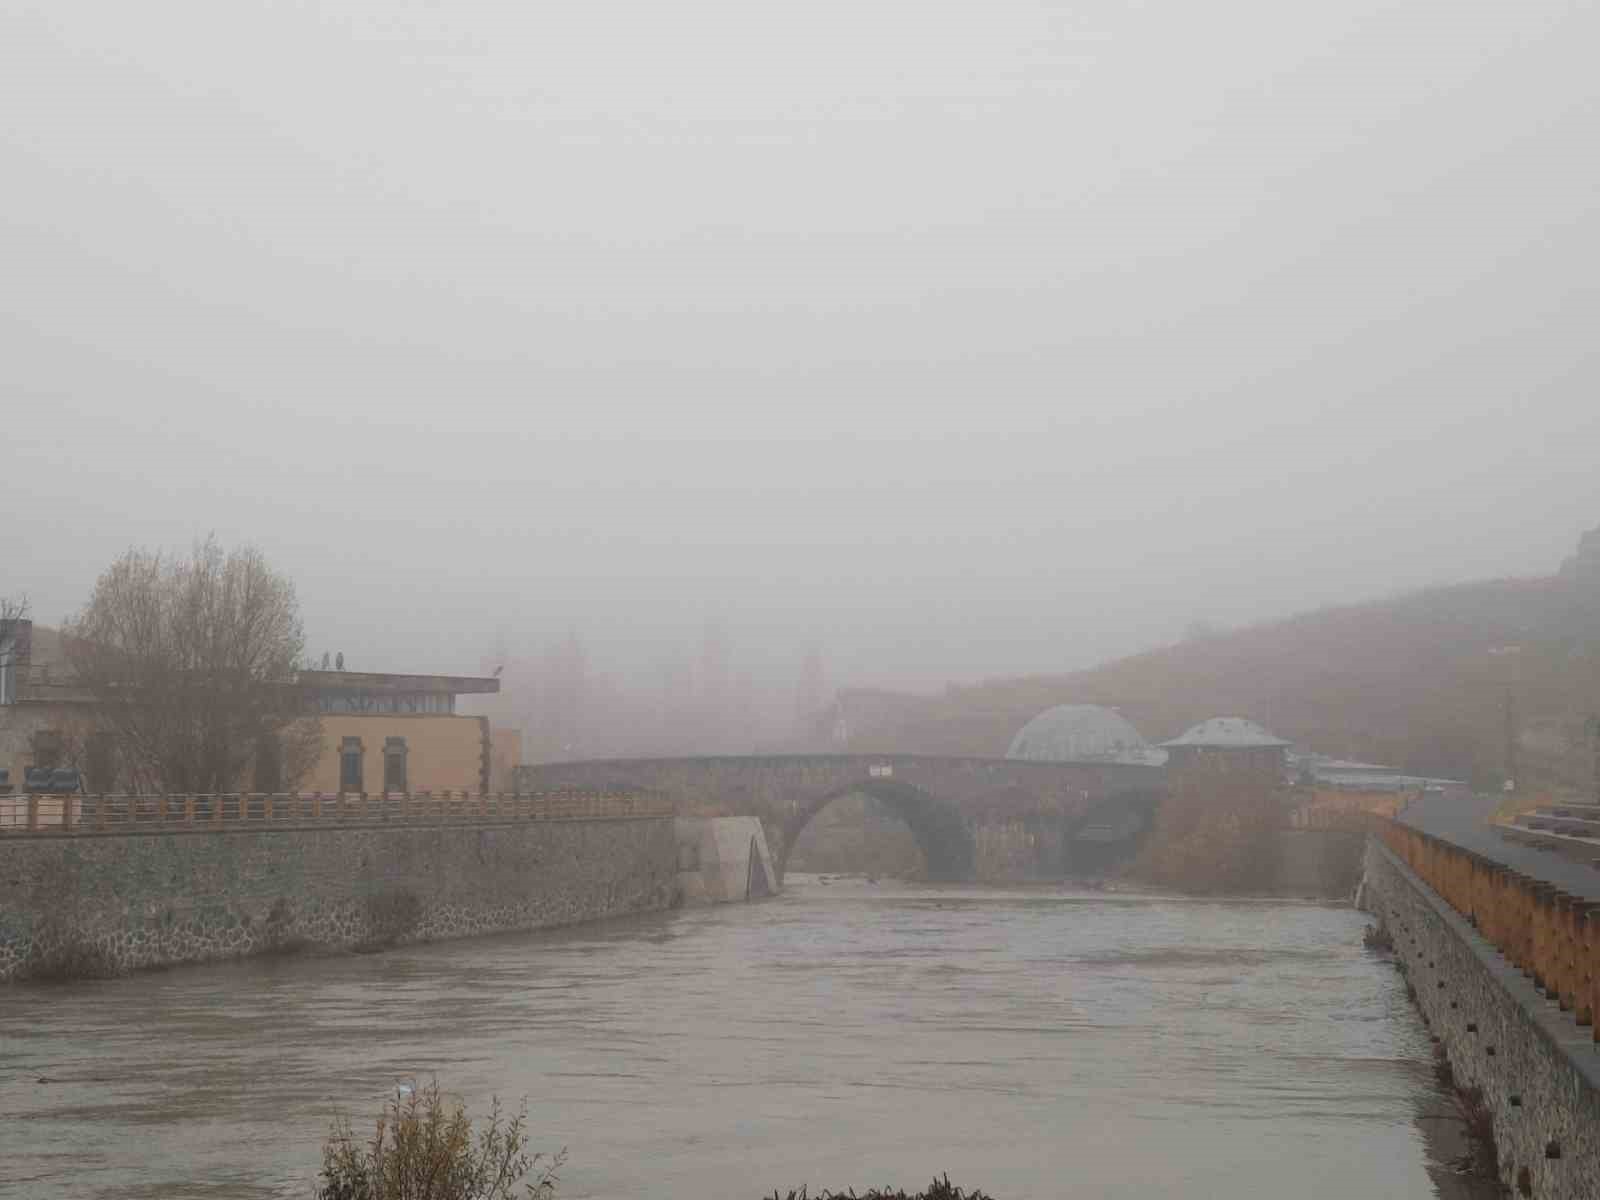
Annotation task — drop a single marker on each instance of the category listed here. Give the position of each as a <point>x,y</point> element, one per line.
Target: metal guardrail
<point>55,814</point>
<point>1552,936</point>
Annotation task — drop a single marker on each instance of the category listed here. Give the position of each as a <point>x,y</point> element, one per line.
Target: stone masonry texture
<point>1539,1071</point>
<point>103,904</point>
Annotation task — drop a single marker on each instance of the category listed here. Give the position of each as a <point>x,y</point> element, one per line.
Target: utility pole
<point>1594,737</point>
<point>1510,653</point>
<point>1511,737</point>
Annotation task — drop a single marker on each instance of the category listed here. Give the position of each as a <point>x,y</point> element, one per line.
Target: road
<point>1466,823</point>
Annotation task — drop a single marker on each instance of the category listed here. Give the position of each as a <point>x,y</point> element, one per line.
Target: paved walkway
<point>1465,822</point>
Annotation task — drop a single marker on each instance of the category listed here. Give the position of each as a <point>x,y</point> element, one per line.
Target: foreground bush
<point>939,1189</point>
<point>424,1149</point>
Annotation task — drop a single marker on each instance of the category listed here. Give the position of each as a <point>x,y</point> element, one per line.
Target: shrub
<point>425,1149</point>
<point>1377,937</point>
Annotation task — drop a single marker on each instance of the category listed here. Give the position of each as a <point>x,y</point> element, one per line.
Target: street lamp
<point>1511,654</point>
<point>1593,730</point>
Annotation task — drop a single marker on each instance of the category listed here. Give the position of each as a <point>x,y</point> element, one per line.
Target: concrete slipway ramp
<point>723,859</point>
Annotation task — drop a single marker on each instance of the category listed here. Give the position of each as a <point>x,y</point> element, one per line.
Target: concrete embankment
<point>723,860</point>
<point>1536,1064</point>
<point>94,904</point>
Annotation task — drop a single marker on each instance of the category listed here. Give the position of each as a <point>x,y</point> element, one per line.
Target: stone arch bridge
<point>974,818</point>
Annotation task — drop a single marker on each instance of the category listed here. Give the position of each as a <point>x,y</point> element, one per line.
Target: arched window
<point>394,764</point>
<point>351,778</point>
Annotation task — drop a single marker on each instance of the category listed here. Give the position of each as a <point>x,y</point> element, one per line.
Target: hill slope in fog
<point>1420,681</point>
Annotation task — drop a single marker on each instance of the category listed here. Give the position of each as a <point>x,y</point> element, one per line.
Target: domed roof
<point>1083,733</point>
<point>1227,733</point>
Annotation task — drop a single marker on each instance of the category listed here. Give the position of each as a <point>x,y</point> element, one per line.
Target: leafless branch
<point>193,663</point>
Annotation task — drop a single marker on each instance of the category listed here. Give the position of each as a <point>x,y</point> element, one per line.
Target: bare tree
<point>13,612</point>
<point>193,663</point>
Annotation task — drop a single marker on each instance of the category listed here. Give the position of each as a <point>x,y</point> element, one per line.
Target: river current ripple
<point>1032,1042</point>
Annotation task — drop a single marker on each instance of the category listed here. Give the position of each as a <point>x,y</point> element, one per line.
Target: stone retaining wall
<point>1540,1072</point>
<point>101,904</point>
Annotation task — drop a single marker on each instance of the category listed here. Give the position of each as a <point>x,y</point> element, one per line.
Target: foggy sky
<point>963,339</point>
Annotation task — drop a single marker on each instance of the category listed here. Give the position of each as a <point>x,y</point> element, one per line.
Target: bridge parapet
<point>1502,968</point>
<point>956,806</point>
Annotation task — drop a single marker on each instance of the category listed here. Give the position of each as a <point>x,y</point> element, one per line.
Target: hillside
<point>1418,680</point>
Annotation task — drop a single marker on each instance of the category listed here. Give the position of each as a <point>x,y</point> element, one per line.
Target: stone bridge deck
<point>973,817</point>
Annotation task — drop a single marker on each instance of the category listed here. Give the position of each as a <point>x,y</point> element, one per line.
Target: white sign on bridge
<point>881,771</point>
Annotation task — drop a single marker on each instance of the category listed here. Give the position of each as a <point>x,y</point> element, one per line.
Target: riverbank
<point>1534,1070</point>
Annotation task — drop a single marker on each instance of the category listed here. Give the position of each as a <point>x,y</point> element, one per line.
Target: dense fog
<point>738,353</point>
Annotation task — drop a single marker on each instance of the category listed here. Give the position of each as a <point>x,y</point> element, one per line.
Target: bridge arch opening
<point>1111,832</point>
<point>857,834</point>
<point>941,835</point>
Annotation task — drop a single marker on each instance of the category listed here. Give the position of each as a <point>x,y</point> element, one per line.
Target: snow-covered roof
<point>1227,733</point>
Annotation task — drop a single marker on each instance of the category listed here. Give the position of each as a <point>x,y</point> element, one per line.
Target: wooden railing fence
<point>1553,937</point>
<point>44,813</point>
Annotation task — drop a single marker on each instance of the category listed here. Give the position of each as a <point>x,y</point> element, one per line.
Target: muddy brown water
<point>1032,1042</point>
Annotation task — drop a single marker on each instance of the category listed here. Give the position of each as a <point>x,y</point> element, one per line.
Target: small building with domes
<point>1235,745</point>
<point>1083,733</point>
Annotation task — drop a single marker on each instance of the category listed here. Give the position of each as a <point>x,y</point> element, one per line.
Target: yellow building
<point>401,733</point>
<point>380,732</point>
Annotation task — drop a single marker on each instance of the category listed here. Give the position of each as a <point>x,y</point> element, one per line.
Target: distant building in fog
<point>1085,733</point>
<point>1234,745</point>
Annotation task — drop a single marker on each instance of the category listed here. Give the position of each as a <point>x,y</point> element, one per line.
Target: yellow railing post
<point>1560,983</point>
<point>1591,940</point>
<point>1542,897</point>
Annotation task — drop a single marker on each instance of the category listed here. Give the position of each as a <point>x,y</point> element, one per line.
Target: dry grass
<point>425,1148</point>
<point>1213,835</point>
<point>1479,1122</point>
<point>939,1189</point>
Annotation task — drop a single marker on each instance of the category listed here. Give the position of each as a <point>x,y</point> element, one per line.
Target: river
<point>1035,1043</point>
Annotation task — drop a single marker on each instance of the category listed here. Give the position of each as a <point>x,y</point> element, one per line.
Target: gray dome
<point>1228,733</point>
<point>1083,733</point>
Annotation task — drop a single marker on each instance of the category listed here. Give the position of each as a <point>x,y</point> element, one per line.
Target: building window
<point>350,765</point>
<point>394,764</point>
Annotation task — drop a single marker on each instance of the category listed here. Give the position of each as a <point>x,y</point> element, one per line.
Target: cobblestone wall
<point>97,905</point>
<point>1540,1072</point>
